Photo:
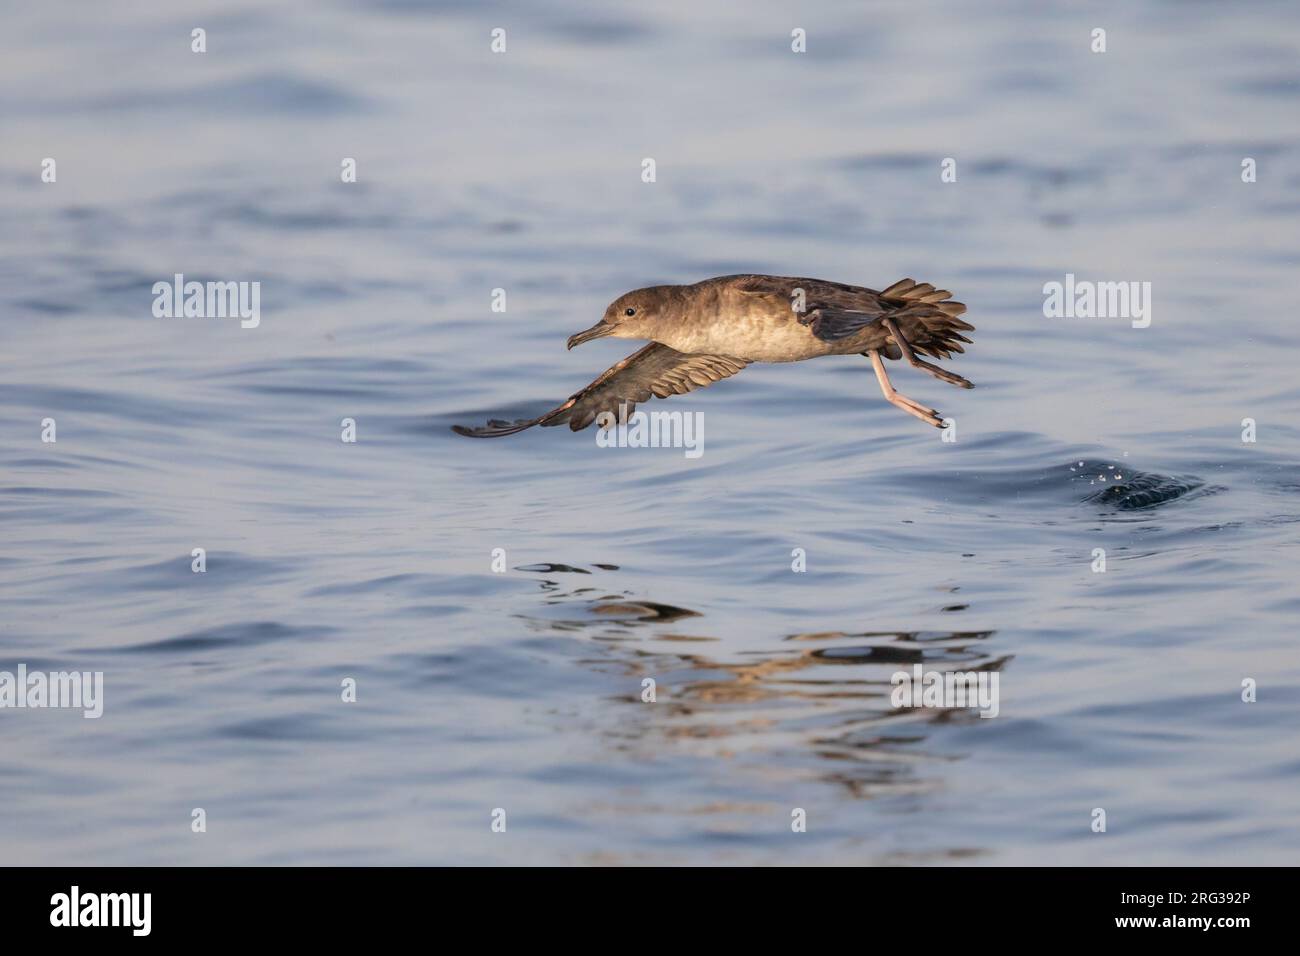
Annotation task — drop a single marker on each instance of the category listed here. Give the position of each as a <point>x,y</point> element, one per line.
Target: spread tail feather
<point>928,318</point>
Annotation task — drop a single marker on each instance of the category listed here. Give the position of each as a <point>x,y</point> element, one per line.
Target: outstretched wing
<point>654,370</point>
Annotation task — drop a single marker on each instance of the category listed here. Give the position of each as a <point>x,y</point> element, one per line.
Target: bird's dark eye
<point>629,312</point>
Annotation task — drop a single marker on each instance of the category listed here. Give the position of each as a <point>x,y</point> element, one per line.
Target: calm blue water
<point>521,690</point>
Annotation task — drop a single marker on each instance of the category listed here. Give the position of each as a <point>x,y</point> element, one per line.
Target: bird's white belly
<point>756,337</point>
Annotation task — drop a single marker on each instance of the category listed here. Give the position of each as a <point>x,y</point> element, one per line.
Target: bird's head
<point>633,315</point>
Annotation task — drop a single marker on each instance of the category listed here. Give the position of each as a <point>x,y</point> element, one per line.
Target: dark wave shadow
<point>1137,491</point>
<point>1109,485</point>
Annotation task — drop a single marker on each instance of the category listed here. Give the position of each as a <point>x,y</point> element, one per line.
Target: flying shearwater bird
<point>709,331</point>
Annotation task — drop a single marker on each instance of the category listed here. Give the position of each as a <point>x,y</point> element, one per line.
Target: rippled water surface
<point>522,690</point>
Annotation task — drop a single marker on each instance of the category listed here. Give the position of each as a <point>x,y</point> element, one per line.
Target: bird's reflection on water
<point>813,702</point>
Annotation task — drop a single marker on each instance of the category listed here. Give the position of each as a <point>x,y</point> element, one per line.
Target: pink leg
<point>906,348</point>
<point>927,415</point>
